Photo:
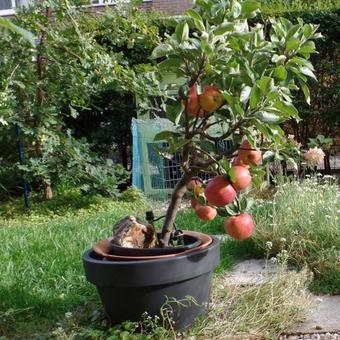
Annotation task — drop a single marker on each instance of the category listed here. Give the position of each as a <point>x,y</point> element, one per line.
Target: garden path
<point>323,318</point>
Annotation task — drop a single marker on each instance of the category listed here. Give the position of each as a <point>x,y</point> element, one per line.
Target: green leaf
<point>301,61</point>
<point>307,48</point>
<point>287,108</point>
<point>250,203</point>
<point>307,30</point>
<point>207,47</point>
<point>266,84</point>
<point>197,19</point>
<point>232,174</point>
<point>305,91</point>
<point>224,28</point>
<point>170,62</point>
<point>199,25</point>
<point>292,44</point>
<point>243,202</point>
<point>250,6</point>
<point>278,58</point>
<point>208,146</point>
<point>201,200</point>
<point>306,71</point>
<point>280,72</point>
<point>236,9</point>
<point>267,117</point>
<point>161,50</point>
<point>177,143</point>
<point>255,97</point>
<point>174,111</point>
<point>245,94</point>
<point>224,164</point>
<point>193,14</point>
<point>165,135</point>
<point>268,157</point>
<point>182,32</point>
<point>228,210</point>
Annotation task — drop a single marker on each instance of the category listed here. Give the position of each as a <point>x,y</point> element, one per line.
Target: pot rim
<point>147,273</point>
<point>207,240</point>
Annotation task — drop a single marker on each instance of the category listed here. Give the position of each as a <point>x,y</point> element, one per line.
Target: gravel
<point>311,336</point>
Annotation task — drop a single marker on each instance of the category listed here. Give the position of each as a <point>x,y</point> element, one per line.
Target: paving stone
<point>324,315</point>
<point>323,319</point>
<point>252,272</point>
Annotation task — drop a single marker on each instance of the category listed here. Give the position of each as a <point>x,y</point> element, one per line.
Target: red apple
<point>194,107</point>
<point>239,227</point>
<point>205,212</point>
<point>194,202</point>
<point>219,191</point>
<point>242,177</point>
<point>248,155</point>
<point>211,99</point>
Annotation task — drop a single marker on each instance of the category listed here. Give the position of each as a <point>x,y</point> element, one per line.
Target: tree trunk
<point>124,154</point>
<point>48,193</point>
<point>176,199</point>
<point>40,97</point>
<point>327,163</point>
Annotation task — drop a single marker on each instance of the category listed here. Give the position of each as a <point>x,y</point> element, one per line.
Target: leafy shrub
<point>132,195</point>
<point>74,65</point>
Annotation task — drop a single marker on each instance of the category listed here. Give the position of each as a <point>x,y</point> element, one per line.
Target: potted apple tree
<point>238,81</point>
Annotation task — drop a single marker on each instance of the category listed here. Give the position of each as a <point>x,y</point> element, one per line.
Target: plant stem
<point>176,199</point>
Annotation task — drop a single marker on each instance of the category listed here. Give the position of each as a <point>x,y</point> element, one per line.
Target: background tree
<point>79,58</point>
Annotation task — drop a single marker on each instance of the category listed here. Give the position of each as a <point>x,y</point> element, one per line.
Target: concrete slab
<point>324,315</point>
<point>252,272</point>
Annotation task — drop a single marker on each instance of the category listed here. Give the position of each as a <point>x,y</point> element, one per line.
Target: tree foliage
<point>256,69</point>
<point>45,89</point>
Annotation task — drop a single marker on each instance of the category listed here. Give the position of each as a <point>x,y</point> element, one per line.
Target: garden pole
<point>21,154</point>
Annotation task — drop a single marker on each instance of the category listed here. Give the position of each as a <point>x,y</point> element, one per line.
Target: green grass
<point>304,220</point>
<point>42,275</point>
<point>40,260</point>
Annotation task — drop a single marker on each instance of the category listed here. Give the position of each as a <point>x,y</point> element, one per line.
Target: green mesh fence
<point>152,173</point>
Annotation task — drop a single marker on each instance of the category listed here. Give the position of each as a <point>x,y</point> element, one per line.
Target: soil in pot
<point>189,242</point>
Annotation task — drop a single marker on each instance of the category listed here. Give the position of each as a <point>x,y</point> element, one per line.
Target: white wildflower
<point>269,244</point>
<point>273,260</point>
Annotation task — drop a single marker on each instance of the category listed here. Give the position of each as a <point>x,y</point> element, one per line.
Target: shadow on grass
<point>64,201</point>
<point>24,313</point>
<point>236,251</point>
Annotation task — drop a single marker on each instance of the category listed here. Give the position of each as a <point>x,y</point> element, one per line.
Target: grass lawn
<point>43,292</point>
<point>40,262</point>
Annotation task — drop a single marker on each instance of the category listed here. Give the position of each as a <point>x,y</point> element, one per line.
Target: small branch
<point>214,123</point>
<point>207,154</point>
<point>222,137</point>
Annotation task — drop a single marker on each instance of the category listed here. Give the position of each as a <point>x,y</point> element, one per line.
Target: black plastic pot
<point>130,288</point>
